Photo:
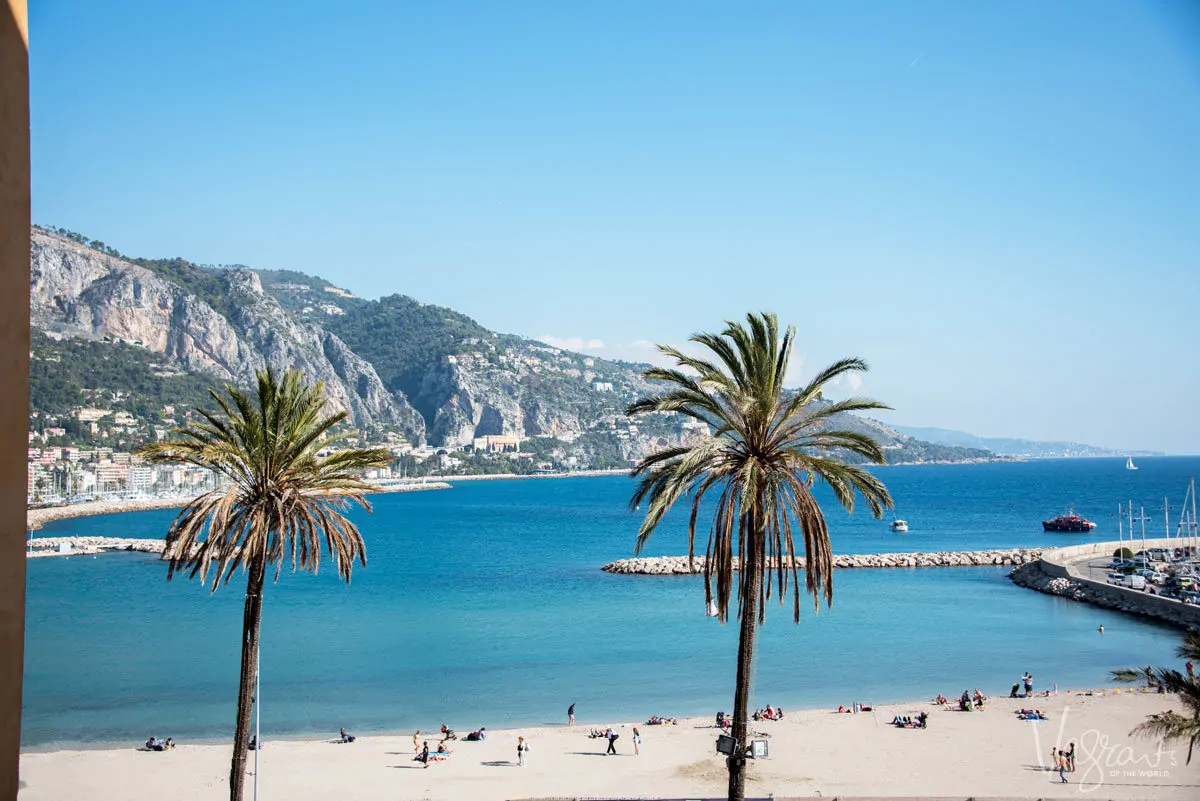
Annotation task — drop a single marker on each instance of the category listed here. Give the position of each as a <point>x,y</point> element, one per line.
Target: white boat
<point>899,525</point>
<point>1129,465</point>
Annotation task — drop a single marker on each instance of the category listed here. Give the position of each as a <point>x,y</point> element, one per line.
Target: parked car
<point>1153,576</point>
<point>1120,564</point>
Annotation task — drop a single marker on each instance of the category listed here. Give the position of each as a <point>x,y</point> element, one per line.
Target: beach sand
<point>961,754</point>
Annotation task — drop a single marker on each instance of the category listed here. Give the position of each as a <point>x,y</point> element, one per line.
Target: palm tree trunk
<point>741,698</point>
<point>251,619</point>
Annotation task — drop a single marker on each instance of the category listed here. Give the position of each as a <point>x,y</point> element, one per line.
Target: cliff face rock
<point>76,291</point>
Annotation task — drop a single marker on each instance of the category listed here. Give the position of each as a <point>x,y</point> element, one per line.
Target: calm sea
<point>485,605</point>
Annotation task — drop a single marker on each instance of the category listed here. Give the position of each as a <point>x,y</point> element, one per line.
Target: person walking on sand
<point>1062,766</point>
<point>417,741</point>
<point>612,741</point>
<point>522,747</point>
<point>571,715</point>
<point>424,756</point>
<point>637,741</point>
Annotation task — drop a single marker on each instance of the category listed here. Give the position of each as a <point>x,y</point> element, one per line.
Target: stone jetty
<point>678,565</point>
<point>49,546</point>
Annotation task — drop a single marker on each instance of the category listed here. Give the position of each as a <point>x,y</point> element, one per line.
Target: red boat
<point>1069,522</point>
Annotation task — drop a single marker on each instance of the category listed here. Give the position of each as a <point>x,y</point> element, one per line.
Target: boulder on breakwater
<point>49,546</point>
<point>681,565</point>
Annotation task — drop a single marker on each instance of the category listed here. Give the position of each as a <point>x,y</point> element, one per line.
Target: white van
<point>1136,582</point>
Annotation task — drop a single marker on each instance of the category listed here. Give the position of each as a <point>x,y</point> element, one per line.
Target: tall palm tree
<point>282,501</point>
<point>1171,726</point>
<point>767,448</point>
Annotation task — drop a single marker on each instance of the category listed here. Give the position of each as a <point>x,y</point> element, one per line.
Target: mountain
<point>142,336</point>
<point>1005,446</point>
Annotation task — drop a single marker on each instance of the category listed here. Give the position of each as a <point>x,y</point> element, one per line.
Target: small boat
<point>1129,465</point>
<point>1068,522</point>
<point>899,525</point>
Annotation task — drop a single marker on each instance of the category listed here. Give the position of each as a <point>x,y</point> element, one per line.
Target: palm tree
<point>767,448</point>
<point>1170,726</point>
<point>282,501</point>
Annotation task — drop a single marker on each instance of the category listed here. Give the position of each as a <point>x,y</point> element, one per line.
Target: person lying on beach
<point>596,734</point>
<point>154,744</point>
<point>864,707</point>
<point>842,709</point>
<point>477,736</point>
<point>347,737</point>
<point>1030,714</point>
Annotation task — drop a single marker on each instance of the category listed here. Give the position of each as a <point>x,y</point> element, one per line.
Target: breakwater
<point>1066,572</point>
<point>679,565</point>
<point>49,546</point>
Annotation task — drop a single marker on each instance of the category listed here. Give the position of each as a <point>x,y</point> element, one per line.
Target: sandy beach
<point>815,752</point>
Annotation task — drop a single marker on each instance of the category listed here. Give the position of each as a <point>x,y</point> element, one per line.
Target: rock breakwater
<point>679,565</point>
<point>1034,576</point>
<point>49,546</point>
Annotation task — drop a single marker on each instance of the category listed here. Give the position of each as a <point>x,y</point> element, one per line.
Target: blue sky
<point>996,204</point>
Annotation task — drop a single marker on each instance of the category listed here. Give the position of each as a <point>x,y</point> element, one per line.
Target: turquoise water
<point>485,605</point>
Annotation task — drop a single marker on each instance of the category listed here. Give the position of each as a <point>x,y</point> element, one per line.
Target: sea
<point>485,605</point>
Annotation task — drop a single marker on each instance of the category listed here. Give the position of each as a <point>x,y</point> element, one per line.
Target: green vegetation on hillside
<point>77,372</point>
<point>403,338</point>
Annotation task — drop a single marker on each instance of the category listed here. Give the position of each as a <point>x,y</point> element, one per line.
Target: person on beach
<point>169,744</point>
<point>1062,766</point>
<point>571,715</point>
<point>1071,759</point>
<point>522,747</point>
<point>637,741</point>
<point>347,737</point>
<point>611,736</point>
<point>417,741</point>
<point>1028,679</point>
<point>424,755</point>
<point>1016,690</point>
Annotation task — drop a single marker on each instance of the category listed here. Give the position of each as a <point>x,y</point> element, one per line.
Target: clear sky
<point>996,204</point>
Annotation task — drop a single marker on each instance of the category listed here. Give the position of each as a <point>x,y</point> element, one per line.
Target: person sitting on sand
<point>347,737</point>
<point>1016,688</point>
<point>442,749</point>
<point>154,744</point>
<point>940,700</point>
<point>978,698</point>
<point>169,744</point>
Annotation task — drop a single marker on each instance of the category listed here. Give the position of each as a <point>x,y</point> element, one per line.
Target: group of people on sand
<point>655,720</point>
<point>908,722</point>
<point>1026,682</point>
<point>1063,761</point>
<point>155,744</point>
<point>770,713</point>
<point>612,737</point>
<point>857,706</point>
<point>1030,714</point>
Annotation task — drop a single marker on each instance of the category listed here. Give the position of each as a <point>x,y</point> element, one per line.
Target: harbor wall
<point>680,565</point>
<point>1057,572</point>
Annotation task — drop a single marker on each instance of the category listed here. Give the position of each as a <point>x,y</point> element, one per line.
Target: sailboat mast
<point>1142,517</point>
<point>1167,518</point>
<point>1192,533</point>
<point>1120,529</point>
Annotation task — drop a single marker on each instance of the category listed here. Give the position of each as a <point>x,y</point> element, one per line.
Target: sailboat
<point>1129,465</point>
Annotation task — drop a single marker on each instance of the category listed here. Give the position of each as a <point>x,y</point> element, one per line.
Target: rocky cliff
<point>76,291</point>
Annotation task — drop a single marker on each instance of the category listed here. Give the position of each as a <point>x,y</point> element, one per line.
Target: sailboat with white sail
<point>1129,465</point>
